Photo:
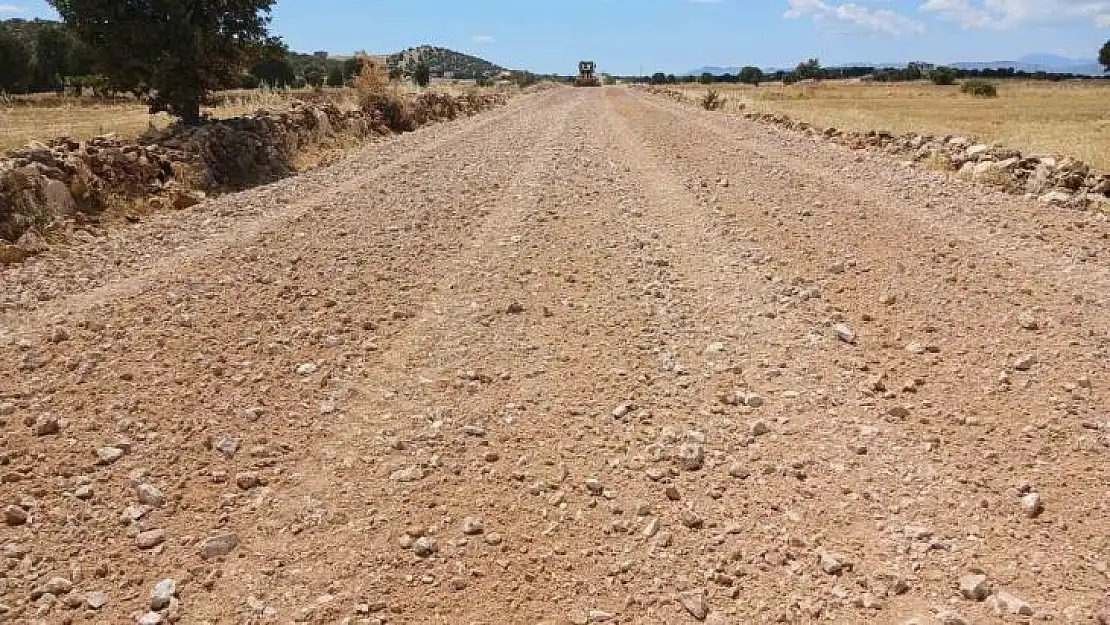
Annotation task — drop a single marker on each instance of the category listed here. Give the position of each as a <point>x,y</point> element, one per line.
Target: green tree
<point>315,75</point>
<point>15,62</point>
<point>943,76</point>
<point>1104,56</point>
<point>351,67</point>
<point>422,75</point>
<point>173,51</point>
<point>807,69</point>
<point>751,75</point>
<point>274,68</point>
<point>658,78</point>
<point>53,53</point>
<point>335,76</point>
<point>706,78</point>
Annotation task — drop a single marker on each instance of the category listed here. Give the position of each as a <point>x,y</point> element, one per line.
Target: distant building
<point>321,54</point>
<point>922,66</point>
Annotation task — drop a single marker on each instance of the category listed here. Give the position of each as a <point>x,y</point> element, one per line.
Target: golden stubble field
<point>1066,118</point>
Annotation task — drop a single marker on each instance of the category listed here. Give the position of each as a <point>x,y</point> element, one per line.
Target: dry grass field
<point>40,118</point>
<point>1069,118</point>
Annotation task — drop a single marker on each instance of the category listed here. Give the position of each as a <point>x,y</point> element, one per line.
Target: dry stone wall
<point>65,179</point>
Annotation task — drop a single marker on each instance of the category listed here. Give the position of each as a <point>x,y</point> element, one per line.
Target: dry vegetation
<point>1070,118</point>
<point>40,118</point>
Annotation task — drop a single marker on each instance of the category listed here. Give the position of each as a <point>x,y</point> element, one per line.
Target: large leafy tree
<point>810,68</point>
<point>54,57</point>
<point>751,75</point>
<point>175,51</point>
<point>1104,56</point>
<point>15,62</point>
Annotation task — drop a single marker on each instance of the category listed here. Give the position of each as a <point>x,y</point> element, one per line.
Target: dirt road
<point>588,357</point>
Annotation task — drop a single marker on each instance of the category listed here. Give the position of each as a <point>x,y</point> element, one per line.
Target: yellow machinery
<point>586,75</point>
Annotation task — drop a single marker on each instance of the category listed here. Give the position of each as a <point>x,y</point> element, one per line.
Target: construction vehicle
<point>586,75</point>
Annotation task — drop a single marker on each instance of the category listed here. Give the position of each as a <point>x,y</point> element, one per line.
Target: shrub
<point>943,76</point>
<point>706,78</point>
<point>980,88</point>
<point>375,93</point>
<point>712,100</point>
<point>422,75</point>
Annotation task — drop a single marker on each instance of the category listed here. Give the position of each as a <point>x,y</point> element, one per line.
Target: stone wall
<point>66,179</point>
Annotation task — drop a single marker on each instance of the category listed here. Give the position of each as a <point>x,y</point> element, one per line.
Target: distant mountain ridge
<point>1040,62</point>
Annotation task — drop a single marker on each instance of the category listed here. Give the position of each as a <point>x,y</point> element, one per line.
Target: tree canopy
<point>174,51</point>
<point>1104,56</point>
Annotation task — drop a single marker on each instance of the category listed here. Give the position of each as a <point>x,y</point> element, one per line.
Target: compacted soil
<point>589,357</point>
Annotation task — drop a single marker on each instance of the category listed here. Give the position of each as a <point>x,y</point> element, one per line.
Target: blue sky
<point>624,36</point>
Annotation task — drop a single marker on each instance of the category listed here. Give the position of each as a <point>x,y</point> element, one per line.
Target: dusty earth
<point>588,357</point>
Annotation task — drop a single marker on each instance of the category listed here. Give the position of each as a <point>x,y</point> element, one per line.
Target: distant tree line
<point>811,69</point>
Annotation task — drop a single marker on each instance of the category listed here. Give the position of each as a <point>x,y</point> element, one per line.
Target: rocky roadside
<point>1055,180</point>
<point>46,185</point>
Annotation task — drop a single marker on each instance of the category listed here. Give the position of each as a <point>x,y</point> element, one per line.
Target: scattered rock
<point>218,546</point>
<point>691,456</point>
<point>424,547</point>
<point>1003,603</point>
<point>974,587</point>
<point>307,369</point>
<point>845,334</point>
<point>473,526</point>
<point>96,600</point>
<point>15,515</point>
<point>150,618</point>
<point>1032,505</point>
<point>150,495</point>
<point>695,604</point>
<point>739,472</point>
<point>407,475</point>
<point>950,617</point>
<point>163,592</point>
<point>759,428</point>
<point>57,586</point>
<point>247,480</point>
<point>1028,322</point>
<point>45,425</point>
<point>1025,363</point>
<point>226,445</point>
<point>108,455</point>
<point>150,539</point>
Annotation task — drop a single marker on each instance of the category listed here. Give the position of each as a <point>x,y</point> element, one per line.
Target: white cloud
<point>1004,14</point>
<point>483,38</point>
<point>855,15</point>
<point>12,8</point>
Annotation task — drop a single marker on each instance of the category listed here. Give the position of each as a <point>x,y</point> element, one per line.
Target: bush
<point>712,100</point>
<point>943,76</point>
<point>979,88</point>
<point>375,93</point>
<point>422,75</point>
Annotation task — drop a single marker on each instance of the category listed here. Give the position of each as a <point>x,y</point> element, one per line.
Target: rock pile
<point>176,167</point>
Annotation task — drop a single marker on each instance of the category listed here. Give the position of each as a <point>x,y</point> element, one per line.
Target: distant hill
<point>442,60</point>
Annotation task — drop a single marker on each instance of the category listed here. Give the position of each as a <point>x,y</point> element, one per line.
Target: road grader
<point>587,76</point>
